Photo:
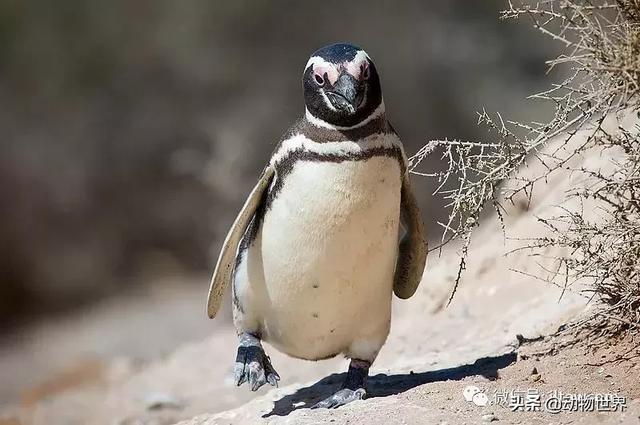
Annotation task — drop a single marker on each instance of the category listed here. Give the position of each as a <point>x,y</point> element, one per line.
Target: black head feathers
<point>341,86</point>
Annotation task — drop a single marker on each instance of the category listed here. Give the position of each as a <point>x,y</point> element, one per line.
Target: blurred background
<point>132,132</point>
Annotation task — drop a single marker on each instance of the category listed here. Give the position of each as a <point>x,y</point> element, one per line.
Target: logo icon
<point>475,395</point>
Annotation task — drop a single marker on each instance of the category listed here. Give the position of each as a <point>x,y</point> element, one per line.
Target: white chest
<point>328,246</point>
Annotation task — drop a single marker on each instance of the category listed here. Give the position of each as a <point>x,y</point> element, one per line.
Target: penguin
<point>328,234</point>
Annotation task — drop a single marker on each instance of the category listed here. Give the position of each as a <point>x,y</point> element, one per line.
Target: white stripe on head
<point>316,60</point>
<point>299,141</point>
<point>327,101</point>
<point>322,67</point>
<point>378,112</point>
<point>356,65</point>
<point>353,67</point>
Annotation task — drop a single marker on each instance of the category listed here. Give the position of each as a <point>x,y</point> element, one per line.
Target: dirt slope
<point>431,355</point>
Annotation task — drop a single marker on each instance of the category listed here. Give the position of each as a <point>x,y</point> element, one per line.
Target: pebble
<point>159,400</point>
<point>489,417</point>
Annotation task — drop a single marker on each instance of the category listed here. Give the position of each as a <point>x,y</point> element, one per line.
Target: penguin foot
<point>253,365</point>
<point>341,398</point>
<point>353,388</point>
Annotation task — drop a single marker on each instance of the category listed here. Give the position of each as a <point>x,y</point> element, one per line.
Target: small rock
<point>489,417</point>
<point>534,378</point>
<point>534,371</point>
<point>601,370</point>
<point>157,401</point>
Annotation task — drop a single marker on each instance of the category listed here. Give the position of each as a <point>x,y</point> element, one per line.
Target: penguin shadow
<point>383,385</point>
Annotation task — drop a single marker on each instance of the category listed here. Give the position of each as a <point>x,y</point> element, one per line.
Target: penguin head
<point>341,85</point>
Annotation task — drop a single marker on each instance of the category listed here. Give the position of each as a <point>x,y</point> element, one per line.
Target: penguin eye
<point>364,71</point>
<point>319,79</point>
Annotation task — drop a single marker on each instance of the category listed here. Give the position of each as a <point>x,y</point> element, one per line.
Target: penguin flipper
<point>223,272</point>
<point>412,252</point>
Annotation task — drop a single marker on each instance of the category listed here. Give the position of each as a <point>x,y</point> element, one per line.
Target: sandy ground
<point>494,335</point>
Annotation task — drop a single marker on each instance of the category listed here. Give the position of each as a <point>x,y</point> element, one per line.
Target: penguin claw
<point>253,365</point>
<point>342,397</point>
<point>239,375</point>
<point>272,375</point>
<point>273,379</point>
<point>257,376</point>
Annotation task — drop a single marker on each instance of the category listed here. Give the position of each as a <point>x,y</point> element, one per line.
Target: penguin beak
<point>347,93</point>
